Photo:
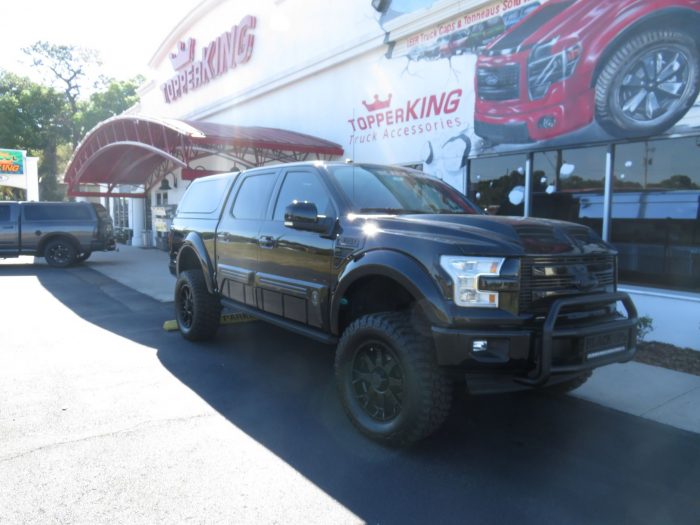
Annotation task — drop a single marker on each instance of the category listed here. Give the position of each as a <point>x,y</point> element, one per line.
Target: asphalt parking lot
<point>105,417</point>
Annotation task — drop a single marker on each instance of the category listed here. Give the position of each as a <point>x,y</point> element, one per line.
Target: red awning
<point>140,151</point>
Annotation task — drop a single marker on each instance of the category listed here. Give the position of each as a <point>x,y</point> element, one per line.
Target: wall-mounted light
<point>165,183</point>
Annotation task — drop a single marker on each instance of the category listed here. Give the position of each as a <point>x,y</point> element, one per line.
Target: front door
<point>237,236</point>
<point>294,267</point>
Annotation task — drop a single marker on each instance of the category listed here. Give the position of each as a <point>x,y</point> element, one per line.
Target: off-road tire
<point>567,386</point>
<point>197,312</point>
<point>628,59</point>
<point>417,391</point>
<point>60,252</point>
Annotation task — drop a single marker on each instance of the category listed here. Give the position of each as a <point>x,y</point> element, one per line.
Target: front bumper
<point>533,356</point>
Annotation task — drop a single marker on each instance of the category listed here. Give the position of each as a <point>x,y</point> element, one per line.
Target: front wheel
<point>196,310</point>
<point>60,253</point>
<point>388,379</point>
<point>648,83</point>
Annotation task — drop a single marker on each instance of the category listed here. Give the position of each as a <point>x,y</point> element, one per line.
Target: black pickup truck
<point>62,232</point>
<point>417,287</point>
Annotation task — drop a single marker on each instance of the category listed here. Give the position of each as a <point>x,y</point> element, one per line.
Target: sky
<point>126,33</point>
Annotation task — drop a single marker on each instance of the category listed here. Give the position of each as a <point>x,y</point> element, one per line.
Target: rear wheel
<point>388,379</point>
<point>60,253</point>
<point>197,311</point>
<point>648,83</point>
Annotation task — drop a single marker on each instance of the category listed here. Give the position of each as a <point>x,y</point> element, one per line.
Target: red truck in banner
<point>633,66</point>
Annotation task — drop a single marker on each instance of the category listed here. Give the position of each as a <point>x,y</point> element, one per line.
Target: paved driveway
<point>105,418</point>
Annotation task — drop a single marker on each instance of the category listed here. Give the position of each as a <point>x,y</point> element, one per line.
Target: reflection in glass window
<point>563,180</point>
<point>303,186</point>
<point>497,184</point>
<point>659,164</point>
<point>253,196</point>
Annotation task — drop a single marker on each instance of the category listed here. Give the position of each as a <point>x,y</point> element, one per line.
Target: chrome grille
<point>546,278</point>
<point>498,83</point>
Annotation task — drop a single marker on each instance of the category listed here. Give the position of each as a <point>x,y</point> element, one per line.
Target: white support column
<point>32,178</point>
<point>607,196</point>
<point>136,221</point>
<point>528,186</point>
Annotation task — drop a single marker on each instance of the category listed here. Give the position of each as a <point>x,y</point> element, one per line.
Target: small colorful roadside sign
<point>12,162</point>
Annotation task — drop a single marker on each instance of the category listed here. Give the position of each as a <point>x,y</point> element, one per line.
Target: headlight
<point>465,273</point>
<point>544,67</point>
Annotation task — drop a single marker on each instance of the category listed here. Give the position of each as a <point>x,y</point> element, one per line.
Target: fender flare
<point>403,269</point>
<point>47,238</point>
<point>194,242</point>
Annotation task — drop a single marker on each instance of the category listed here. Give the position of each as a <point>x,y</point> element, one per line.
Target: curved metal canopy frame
<point>140,151</point>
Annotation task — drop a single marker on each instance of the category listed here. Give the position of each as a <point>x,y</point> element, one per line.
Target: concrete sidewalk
<point>647,391</point>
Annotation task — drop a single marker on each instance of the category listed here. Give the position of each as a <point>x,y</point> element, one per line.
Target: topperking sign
<point>225,53</point>
<point>12,162</point>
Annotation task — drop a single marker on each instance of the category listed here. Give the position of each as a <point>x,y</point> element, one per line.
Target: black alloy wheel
<point>648,84</point>
<point>378,381</point>
<point>388,379</point>
<point>197,311</point>
<point>60,253</point>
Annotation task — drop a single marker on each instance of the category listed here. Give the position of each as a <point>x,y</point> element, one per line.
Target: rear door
<point>9,229</point>
<point>237,235</point>
<point>294,269</point>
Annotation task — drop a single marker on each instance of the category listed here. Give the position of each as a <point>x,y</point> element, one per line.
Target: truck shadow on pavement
<point>528,457</point>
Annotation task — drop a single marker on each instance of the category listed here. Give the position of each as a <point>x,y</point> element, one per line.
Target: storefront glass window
<point>566,182</point>
<point>656,212</point>
<point>497,184</point>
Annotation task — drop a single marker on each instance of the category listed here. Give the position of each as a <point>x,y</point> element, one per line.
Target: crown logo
<point>183,55</point>
<point>377,104</point>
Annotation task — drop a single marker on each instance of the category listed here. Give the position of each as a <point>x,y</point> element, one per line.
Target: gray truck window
<point>4,212</point>
<point>253,196</point>
<point>303,186</point>
<point>56,212</point>
<point>203,196</point>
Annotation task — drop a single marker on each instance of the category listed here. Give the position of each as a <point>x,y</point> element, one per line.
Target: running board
<point>311,333</point>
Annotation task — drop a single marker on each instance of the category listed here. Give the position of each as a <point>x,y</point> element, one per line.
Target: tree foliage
<point>48,119</point>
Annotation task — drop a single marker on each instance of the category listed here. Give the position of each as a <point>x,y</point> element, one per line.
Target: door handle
<point>266,241</point>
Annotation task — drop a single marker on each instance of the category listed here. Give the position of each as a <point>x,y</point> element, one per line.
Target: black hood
<point>491,235</point>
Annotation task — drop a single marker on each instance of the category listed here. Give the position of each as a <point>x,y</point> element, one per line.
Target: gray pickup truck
<point>64,233</point>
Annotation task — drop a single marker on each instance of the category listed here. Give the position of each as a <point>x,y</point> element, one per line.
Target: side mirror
<point>304,216</point>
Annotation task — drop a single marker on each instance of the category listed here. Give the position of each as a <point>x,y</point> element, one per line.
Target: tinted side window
<point>57,212</point>
<point>204,196</point>
<point>253,196</point>
<point>4,212</point>
<point>303,186</point>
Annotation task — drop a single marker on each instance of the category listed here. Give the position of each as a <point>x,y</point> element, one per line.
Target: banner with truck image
<point>555,73</point>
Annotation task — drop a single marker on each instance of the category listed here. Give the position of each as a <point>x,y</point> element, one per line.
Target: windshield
<point>379,189</point>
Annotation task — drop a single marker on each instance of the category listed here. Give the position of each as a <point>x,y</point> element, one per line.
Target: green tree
<point>34,118</point>
<point>49,119</point>
<point>70,69</point>
<point>116,97</point>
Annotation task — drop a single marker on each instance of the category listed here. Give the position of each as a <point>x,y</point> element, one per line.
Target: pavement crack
<point>670,400</point>
<point>134,428</point>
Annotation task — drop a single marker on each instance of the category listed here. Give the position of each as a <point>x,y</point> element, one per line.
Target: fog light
<point>480,346</point>
<point>547,122</point>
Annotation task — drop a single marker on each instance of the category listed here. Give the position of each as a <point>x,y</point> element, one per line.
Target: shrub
<point>645,325</point>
